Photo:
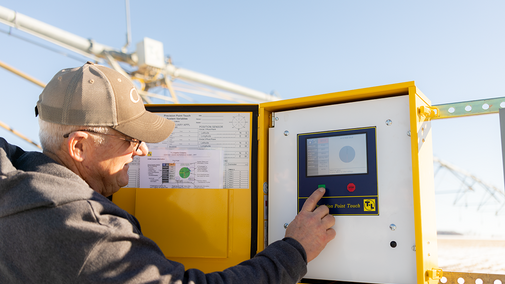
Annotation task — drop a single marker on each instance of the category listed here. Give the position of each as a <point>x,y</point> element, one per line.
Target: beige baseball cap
<point>95,95</point>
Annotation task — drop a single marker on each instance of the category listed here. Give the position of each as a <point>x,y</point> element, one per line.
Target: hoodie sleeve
<point>8,155</point>
<point>118,260</point>
<point>12,152</point>
<point>123,256</point>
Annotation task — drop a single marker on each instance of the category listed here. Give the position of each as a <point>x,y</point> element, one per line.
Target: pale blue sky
<point>453,50</point>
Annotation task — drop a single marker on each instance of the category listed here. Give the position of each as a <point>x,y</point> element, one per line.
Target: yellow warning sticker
<point>368,204</point>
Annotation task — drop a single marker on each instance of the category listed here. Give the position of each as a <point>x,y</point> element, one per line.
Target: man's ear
<point>77,144</point>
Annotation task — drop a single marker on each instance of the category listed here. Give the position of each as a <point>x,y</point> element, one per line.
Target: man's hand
<point>312,228</point>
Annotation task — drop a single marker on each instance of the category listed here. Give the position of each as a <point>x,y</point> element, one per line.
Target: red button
<point>351,187</point>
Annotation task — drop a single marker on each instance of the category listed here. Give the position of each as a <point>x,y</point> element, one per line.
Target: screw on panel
<point>265,187</point>
<point>286,225</point>
<point>413,248</point>
<point>286,133</point>
<point>393,244</point>
<point>392,227</point>
<point>389,122</point>
<point>408,133</point>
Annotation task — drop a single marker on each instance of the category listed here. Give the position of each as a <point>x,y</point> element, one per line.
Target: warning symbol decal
<point>369,204</point>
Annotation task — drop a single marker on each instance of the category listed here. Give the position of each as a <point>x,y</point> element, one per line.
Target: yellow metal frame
<point>424,195</point>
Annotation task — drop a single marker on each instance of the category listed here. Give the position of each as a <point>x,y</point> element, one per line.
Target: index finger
<point>311,202</point>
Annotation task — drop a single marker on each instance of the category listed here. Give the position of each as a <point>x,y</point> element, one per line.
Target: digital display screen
<point>337,155</point>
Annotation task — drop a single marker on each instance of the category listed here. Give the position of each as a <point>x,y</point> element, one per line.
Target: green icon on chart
<point>184,172</point>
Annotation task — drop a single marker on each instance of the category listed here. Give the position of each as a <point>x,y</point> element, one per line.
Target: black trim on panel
<point>254,183</point>
<point>254,150</point>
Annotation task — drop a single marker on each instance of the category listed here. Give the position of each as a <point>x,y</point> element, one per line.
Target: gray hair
<point>51,134</point>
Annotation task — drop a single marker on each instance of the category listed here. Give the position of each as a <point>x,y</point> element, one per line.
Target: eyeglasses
<point>136,142</point>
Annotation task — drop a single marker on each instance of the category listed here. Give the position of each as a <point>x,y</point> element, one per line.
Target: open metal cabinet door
<point>195,194</point>
<point>371,149</point>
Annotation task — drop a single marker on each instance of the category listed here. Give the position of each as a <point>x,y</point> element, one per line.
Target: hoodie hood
<point>30,180</point>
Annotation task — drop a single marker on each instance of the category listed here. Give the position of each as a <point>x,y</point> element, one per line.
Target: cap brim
<point>148,127</point>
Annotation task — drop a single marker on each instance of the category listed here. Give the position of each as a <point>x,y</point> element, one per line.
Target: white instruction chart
<point>182,169</point>
<point>223,139</point>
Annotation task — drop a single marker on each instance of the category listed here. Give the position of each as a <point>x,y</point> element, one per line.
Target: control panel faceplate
<point>345,163</point>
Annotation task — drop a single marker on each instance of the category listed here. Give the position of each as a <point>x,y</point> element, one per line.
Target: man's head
<point>94,95</point>
<point>92,121</point>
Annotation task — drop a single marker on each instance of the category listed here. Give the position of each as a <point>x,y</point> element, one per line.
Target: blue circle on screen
<point>347,154</point>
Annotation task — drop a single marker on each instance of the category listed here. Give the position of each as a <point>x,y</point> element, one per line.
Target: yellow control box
<point>209,195</point>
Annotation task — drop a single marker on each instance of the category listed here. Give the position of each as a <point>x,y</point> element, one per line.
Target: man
<point>56,224</point>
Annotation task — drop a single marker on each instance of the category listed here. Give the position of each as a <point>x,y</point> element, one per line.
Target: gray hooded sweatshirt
<point>55,229</point>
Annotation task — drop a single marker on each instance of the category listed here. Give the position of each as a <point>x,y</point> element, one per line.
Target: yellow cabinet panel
<point>185,222</point>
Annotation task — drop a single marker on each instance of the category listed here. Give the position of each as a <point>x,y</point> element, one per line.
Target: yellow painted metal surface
<point>125,198</point>
<point>201,213</point>
<point>423,184</point>
<point>265,118</point>
<point>208,229</point>
<point>238,234</point>
<point>339,97</point>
